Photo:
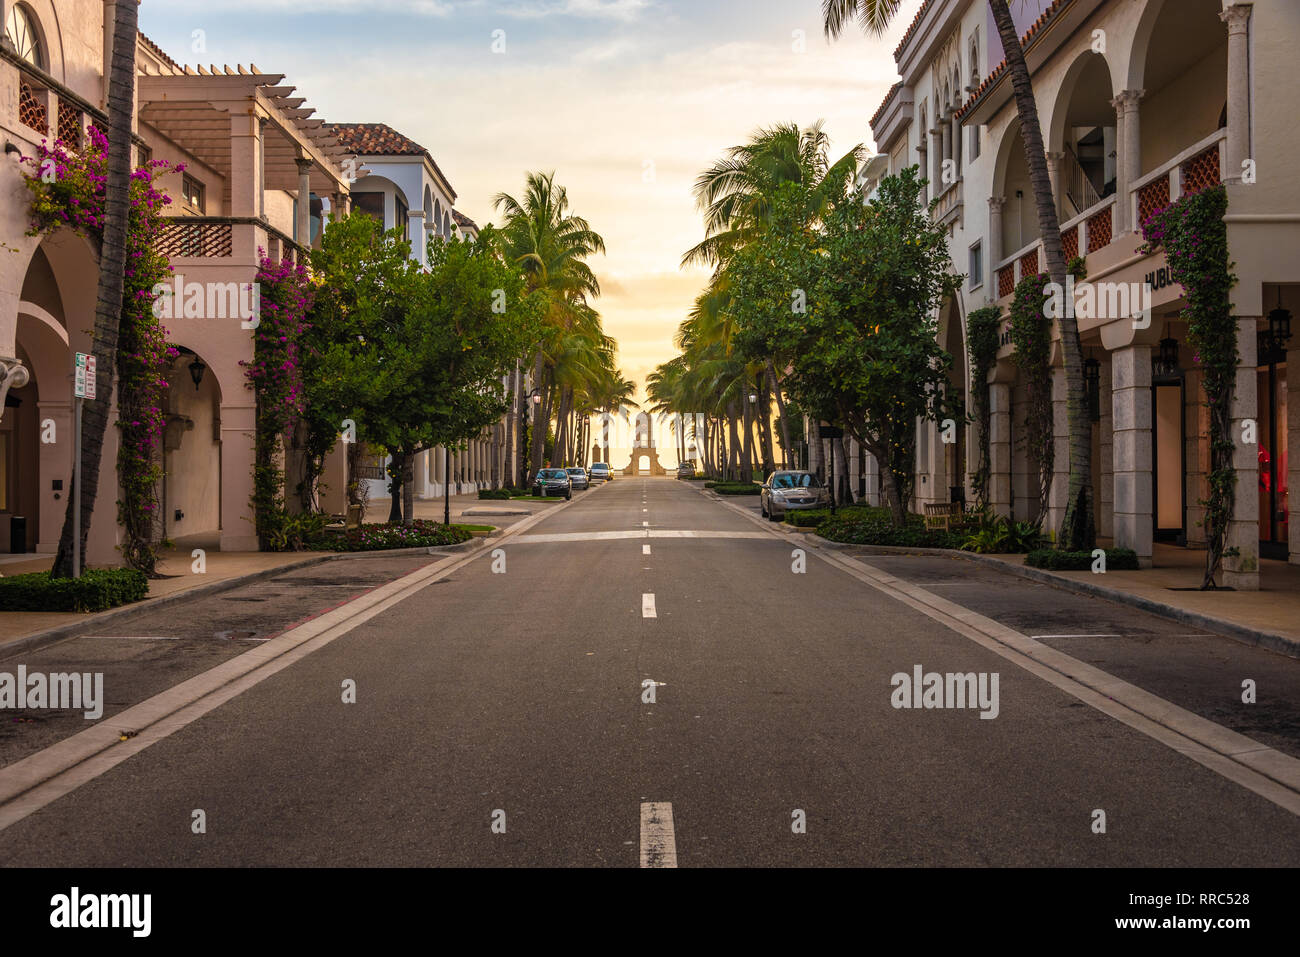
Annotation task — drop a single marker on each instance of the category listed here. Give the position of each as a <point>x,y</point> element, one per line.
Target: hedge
<point>419,534</point>
<point>96,590</point>
<point>501,493</point>
<point>813,517</point>
<point>1117,559</point>
<point>736,488</point>
<point>874,526</point>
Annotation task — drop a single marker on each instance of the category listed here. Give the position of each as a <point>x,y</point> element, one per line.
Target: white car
<point>601,472</point>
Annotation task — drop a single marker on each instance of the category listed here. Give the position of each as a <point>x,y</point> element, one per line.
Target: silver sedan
<point>791,491</point>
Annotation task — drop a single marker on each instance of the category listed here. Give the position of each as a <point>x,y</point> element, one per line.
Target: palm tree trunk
<point>1078,528</point>
<point>112,282</point>
<point>733,436</point>
<point>539,424</point>
<point>765,427</point>
<point>787,450</point>
<point>408,487</point>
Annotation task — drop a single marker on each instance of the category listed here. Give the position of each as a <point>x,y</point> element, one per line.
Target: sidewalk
<point>1174,582</point>
<point>229,567</point>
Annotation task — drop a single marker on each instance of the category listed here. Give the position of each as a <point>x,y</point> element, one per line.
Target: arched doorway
<point>190,493</point>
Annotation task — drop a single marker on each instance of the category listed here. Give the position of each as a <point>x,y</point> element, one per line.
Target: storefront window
<point>1274,507</point>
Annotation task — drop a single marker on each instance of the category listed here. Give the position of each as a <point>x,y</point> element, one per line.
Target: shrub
<point>737,488</point>
<point>287,532</point>
<point>1117,559</point>
<point>96,590</point>
<point>813,517</point>
<point>874,526</point>
<point>994,533</point>
<point>494,493</point>
<point>419,534</point>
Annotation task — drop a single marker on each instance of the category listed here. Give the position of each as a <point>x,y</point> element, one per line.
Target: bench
<point>943,515</point>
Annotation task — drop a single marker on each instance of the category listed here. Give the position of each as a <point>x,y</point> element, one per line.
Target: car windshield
<point>577,471</point>
<point>552,473</point>
<point>795,480</point>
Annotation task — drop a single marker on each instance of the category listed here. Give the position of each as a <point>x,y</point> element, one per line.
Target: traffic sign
<point>84,377</point>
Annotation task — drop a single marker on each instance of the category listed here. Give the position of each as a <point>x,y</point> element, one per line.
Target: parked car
<point>786,491</point>
<point>601,472</point>
<point>578,476</point>
<point>553,482</point>
<point>686,471</point>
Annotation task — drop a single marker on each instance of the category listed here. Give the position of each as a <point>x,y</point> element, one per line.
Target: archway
<point>1084,132</point>
<point>1180,60</point>
<point>190,492</point>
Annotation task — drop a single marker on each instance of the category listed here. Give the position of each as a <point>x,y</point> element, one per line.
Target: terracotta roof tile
<point>911,30</point>
<point>463,221</point>
<point>379,139</point>
<point>893,91</point>
<point>158,51</point>
<point>1046,17</point>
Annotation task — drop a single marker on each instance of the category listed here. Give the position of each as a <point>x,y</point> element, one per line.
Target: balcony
<point>1091,230</point>
<point>1195,169</point>
<point>218,237</point>
<point>948,204</point>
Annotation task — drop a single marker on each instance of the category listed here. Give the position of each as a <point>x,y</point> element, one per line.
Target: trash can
<point>17,534</point>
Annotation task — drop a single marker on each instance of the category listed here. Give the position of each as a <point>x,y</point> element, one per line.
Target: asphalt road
<point>515,685</point>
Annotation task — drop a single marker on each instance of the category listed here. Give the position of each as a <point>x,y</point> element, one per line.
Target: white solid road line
<point>29,784</point>
<point>645,549</point>
<point>1266,771</point>
<point>658,842</point>
<point>648,605</point>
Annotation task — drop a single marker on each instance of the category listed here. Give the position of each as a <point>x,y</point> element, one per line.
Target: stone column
<point>1059,492</point>
<point>1129,167</point>
<point>302,226</point>
<point>1132,422</point>
<point>415,233</point>
<point>261,166</point>
<point>1000,447</point>
<point>1242,571</point>
<point>995,243</point>
<point>1237,148</point>
<point>1106,491</point>
<point>936,162</point>
<point>246,182</point>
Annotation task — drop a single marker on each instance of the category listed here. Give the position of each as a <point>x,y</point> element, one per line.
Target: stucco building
<point>1140,102</point>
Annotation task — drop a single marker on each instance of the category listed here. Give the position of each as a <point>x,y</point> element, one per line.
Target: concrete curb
<point>50,636</point>
<point>1281,644</point>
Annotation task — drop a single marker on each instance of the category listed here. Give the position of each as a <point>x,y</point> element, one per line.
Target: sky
<point>626,100</point>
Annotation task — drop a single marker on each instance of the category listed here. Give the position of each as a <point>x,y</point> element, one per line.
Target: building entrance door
<point>1168,472</point>
<point>1274,509</point>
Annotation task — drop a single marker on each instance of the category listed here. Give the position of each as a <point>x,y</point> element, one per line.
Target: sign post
<point>83,389</point>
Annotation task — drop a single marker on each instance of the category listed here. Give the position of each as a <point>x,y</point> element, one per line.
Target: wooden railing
<point>1195,169</point>
<point>213,237</point>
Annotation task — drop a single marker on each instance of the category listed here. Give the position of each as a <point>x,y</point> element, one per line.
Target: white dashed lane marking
<point>658,842</point>
<point>648,605</point>
<point>645,549</point>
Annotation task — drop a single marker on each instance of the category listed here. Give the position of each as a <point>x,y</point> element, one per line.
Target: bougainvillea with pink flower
<point>1194,238</point>
<point>67,187</point>
<point>275,376</point>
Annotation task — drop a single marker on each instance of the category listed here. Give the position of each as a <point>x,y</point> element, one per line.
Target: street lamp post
<point>751,412</point>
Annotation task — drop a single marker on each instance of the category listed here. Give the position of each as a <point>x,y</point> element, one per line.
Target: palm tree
<point>736,195</point>
<point>1078,528</point>
<point>112,281</point>
<point>550,244</point>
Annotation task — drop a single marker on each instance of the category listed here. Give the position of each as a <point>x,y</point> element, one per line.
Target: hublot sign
<point>1160,278</point>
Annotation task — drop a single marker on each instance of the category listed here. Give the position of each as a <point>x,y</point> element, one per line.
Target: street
<point>502,716</point>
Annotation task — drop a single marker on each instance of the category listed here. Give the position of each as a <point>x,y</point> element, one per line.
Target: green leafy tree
<point>865,345</point>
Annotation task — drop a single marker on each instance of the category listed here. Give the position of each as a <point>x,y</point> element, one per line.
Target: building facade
<point>1140,102</point>
<point>262,176</point>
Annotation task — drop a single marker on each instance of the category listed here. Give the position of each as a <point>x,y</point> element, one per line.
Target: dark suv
<point>552,482</point>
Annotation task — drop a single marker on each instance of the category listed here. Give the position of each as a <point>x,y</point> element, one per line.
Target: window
<point>192,192</point>
<point>146,156</point>
<point>400,211</point>
<point>21,29</point>
<point>976,266</point>
<point>974,143</point>
<point>372,204</point>
<point>975,61</point>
